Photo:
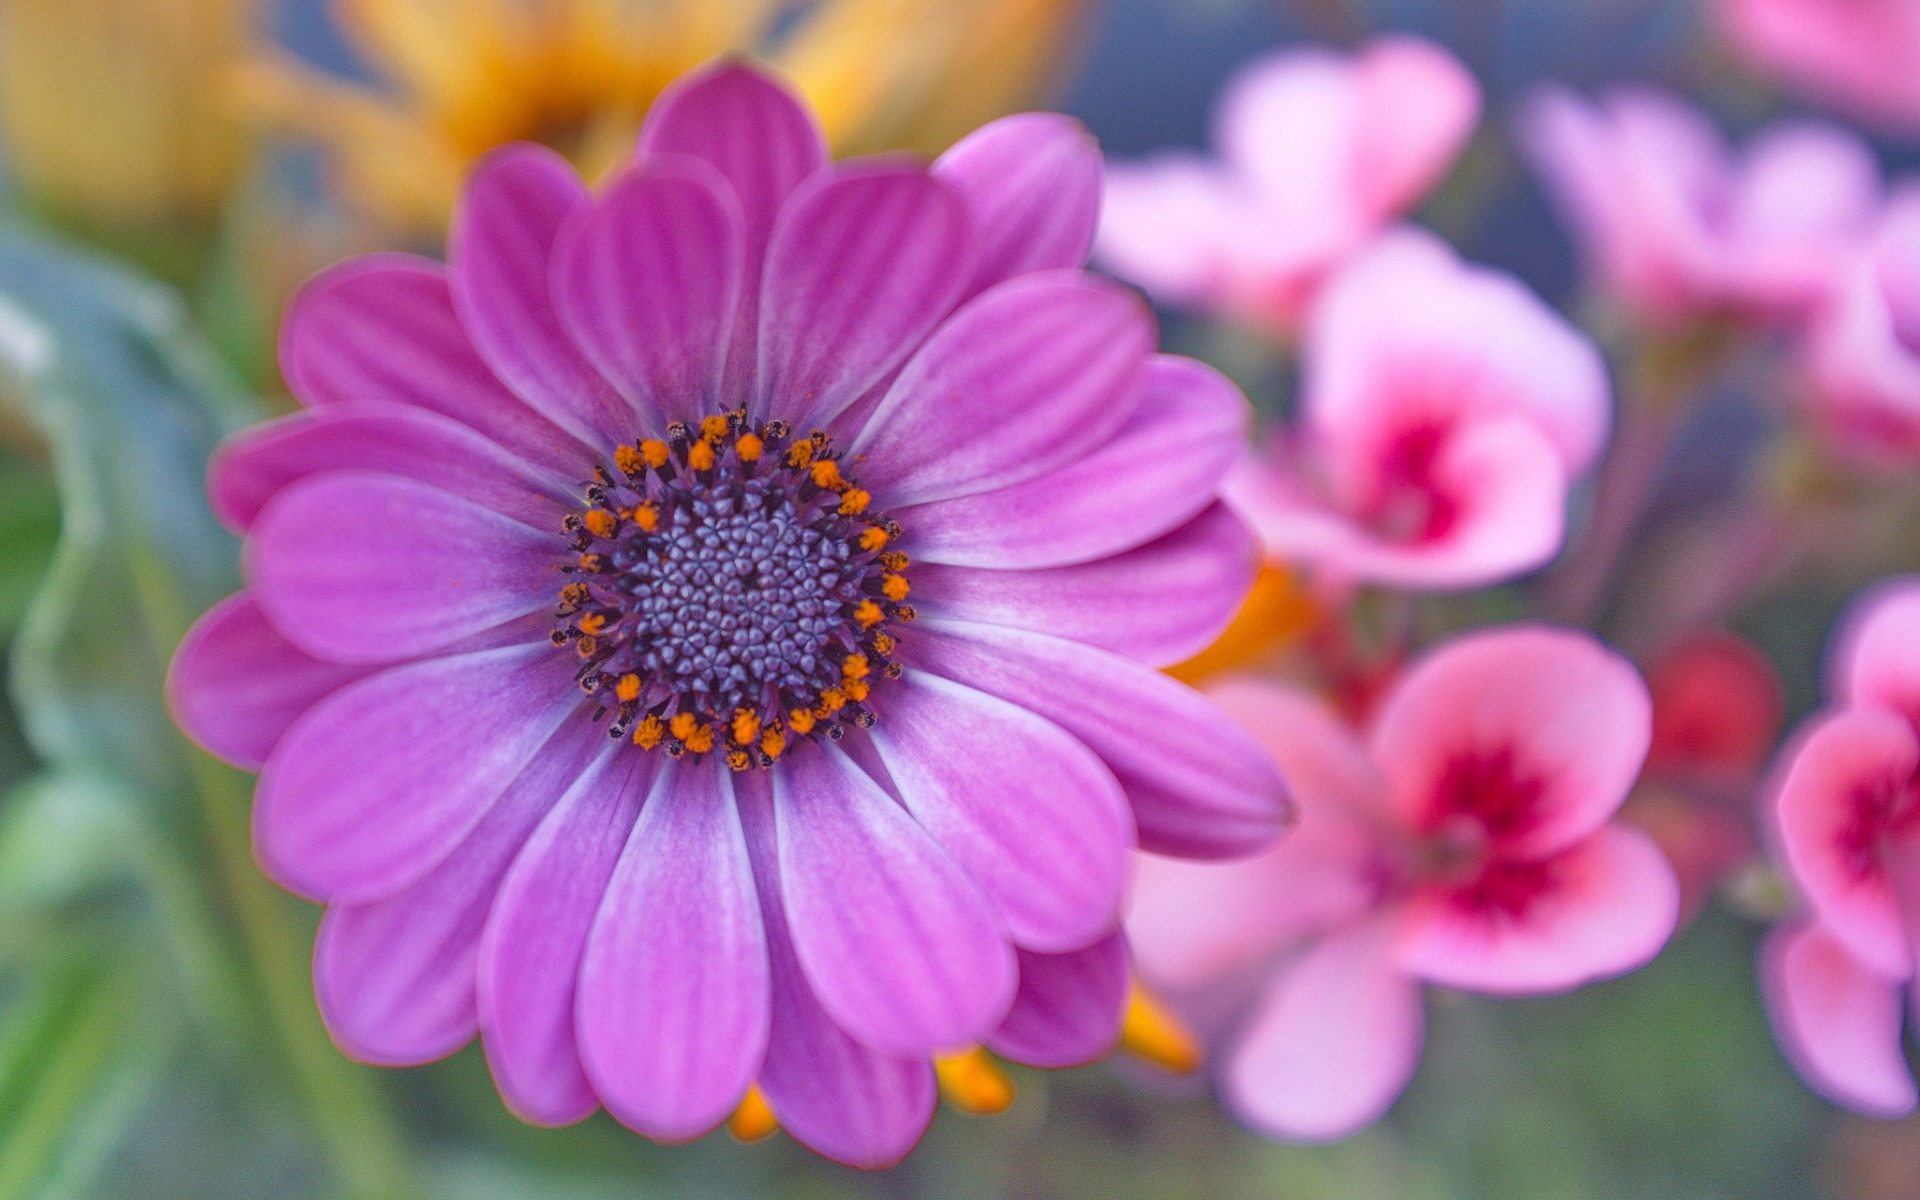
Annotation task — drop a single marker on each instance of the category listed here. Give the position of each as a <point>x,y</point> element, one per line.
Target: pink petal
<point>1159,471</point>
<point>1897,257</point>
<point>832,1093</point>
<point>1609,904</point>
<point>865,260</point>
<point>1033,375</point>
<point>1069,1008</point>
<point>1808,195</point>
<point>381,780</point>
<point>1564,719</point>
<point>382,328</point>
<point>1334,1043</point>
<point>1033,183</point>
<point>1191,923</point>
<point>1837,1020</point>
<point>360,567</point>
<point>1200,787</point>
<point>648,280</point>
<point>1409,331</point>
<point>236,683</point>
<point>1031,814</point>
<point>1418,105</point>
<point>501,249</point>
<point>255,465</point>
<point>1162,603</point>
<point>672,1014</point>
<point>1173,224</point>
<point>899,944</point>
<point>1287,125</point>
<point>395,978</point>
<point>1846,772</point>
<point>536,936</point>
<point>1875,658</point>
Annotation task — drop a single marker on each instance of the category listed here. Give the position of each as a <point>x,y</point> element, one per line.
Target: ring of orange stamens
<point>731,592</point>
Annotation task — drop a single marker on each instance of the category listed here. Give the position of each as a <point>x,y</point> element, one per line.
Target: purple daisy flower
<point>704,633</point>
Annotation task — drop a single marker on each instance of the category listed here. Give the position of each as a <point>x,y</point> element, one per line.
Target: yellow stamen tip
<point>600,523</point>
<point>713,428</point>
<point>628,689</point>
<point>973,1083</point>
<point>884,643</point>
<point>855,667</point>
<point>754,1119</point>
<point>700,741</point>
<point>895,588</point>
<point>749,447</point>
<point>1154,1033</point>
<point>655,452</point>
<point>826,474</point>
<point>746,726</point>
<point>853,502</point>
<point>802,721</point>
<point>873,538</point>
<point>700,456</point>
<point>648,733</point>
<point>856,689</point>
<point>799,454</point>
<point>868,614</point>
<point>683,725</point>
<point>646,516</point>
<point>738,760</point>
<point>629,460</point>
<point>773,743</point>
<point>593,624</point>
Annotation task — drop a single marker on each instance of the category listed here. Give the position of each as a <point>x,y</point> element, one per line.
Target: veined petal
<point>381,780</point>
<point>500,252</point>
<point>1161,603</point>
<point>1069,1008</point>
<point>236,682</point>
<point>1199,785</point>
<point>361,567</point>
<point>1160,470</point>
<point>647,281</point>
<point>1033,182</point>
<point>395,977</point>
<point>672,1013</point>
<point>1031,814</point>
<point>1032,375</point>
<point>898,944</point>
<point>382,327</point>
<point>1837,1020</point>
<point>536,935</point>
<point>865,260</point>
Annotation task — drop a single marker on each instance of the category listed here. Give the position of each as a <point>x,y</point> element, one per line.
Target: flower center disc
<point>731,592</point>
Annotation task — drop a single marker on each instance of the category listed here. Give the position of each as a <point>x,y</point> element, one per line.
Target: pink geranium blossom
<point>1848,826</point>
<point>1862,378</point>
<point>665,464</point>
<point>1464,839</point>
<point>1862,56</point>
<point>1675,229</point>
<point>1445,412</point>
<point>1317,152</point>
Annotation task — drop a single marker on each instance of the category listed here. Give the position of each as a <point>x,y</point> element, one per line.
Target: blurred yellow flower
<point>1275,614</point>
<point>111,112</point>
<point>467,75</point>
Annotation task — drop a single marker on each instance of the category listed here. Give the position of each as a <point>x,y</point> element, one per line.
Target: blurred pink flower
<point>1863,377</point>
<point>1317,152</point>
<point>1675,229</point>
<point>1861,56</point>
<point>1465,840</point>
<point>1848,824</point>
<point>1445,412</point>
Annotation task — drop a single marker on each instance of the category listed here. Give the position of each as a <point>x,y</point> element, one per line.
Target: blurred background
<point>174,167</point>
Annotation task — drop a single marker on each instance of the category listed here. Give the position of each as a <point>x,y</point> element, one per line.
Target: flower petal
<point>1875,659</point>
<point>383,328</point>
<point>672,1014</point>
<point>361,567</point>
<point>536,936</point>
<point>1069,1008</point>
<point>500,252</point>
<point>749,127</point>
<point>1033,183</point>
<point>1568,719</point>
<point>254,466</point>
<point>381,780</point>
<point>1032,815</point>
<point>1608,905</point>
<point>899,945</point>
<point>1334,1043</point>
<point>1200,787</point>
<point>647,281</point>
<point>843,1100</point>
<point>1841,769</point>
<point>1034,374</point>
<point>1837,1020</point>
<point>395,977</point>
<point>1161,603</point>
<point>236,683</point>
<point>1159,471</point>
<point>1418,105</point>
<point>865,260</point>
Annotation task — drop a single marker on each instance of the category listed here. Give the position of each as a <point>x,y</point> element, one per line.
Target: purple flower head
<point>704,634</point>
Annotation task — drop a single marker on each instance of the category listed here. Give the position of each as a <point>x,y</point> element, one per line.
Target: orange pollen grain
<point>593,624</point>
<point>800,454</point>
<point>629,460</point>
<point>683,725</point>
<point>746,726</point>
<point>802,721</point>
<point>647,733</point>
<point>773,743</point>
<point>831,701</point>
<point>713,428</point>
<point>655,452</point>
<point>895,588</point>
<point>749,446</point>
<point>868,614</point>
<point>826,474</point>
<point>700,740</point>
<point>856,667</point>
<point>738,760</point>
<point>700,456</point>
<point>628,689</point>
<point>856,689</point>
<point>873,538</point>
<point>894,561</point>
<point>600,523</point>
<point>590,563</point>
<point>884,643</point>
<point>853,502</point>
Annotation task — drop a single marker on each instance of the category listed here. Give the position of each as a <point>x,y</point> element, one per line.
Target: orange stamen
<point>754,1119</point>
<point>973,1083</point>
<point>1152,1032</point>
<point>600,523</point>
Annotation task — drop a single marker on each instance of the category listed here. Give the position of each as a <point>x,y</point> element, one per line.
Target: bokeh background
<point>156,1032</point>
